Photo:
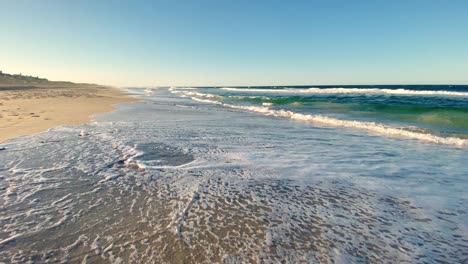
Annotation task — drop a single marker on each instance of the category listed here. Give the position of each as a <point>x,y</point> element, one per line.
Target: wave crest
<point>350,91</point>
<point>321,119</point>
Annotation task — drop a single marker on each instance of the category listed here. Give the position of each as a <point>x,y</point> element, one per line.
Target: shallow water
<point>170,179</point>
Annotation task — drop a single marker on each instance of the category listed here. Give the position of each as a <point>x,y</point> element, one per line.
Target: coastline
<point>26,110</point>
<point>198,182</point>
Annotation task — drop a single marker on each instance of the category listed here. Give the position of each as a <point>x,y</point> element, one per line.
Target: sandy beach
<point>28,109</point>
<point>183,177</point>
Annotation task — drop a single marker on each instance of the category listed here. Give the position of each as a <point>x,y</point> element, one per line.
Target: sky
<point>236,42</point>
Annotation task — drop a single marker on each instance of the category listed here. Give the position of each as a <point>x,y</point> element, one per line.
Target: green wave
<point>439,116</point>
<point>451,117</point>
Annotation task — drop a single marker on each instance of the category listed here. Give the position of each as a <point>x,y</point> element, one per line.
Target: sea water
<point>246,174</point>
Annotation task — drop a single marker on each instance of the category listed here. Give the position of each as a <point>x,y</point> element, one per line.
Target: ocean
<point>322,174</point>
<point>430,113</point>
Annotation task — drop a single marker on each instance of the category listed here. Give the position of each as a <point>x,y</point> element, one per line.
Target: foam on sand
<point>223,186</point>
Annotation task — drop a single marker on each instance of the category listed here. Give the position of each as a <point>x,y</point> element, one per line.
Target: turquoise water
<point>210,175</point>
<point>435,110</point>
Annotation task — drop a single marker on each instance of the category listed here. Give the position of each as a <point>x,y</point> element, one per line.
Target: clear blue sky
<point>236,42</point>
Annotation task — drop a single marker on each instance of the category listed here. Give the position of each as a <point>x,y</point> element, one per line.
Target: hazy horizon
<point>210,43</point>
<point>245,85</point>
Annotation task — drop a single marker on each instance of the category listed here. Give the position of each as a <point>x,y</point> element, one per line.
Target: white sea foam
<point>299,200</point>
<point>370,126</point>
<point>321,119</point>
<point>174,88</point>
<point>349,91</point>
<point>189,93</point>
<point>150,91</point>
<point>206,101</point>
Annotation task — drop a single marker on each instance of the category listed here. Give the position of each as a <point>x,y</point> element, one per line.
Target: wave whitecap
<point>349,91</point>
<point>321,119</point>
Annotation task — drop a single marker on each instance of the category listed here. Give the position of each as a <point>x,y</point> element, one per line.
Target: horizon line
<point>295,85</point>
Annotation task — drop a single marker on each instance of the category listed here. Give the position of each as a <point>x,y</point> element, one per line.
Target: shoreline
<point>33,109</point>
<point>218,185</point>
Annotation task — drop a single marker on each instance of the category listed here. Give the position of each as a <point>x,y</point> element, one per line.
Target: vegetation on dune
<point>20,79</point>
<point>27,81</point>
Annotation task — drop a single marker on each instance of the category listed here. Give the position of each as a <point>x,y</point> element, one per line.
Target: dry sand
<point>34,108</point>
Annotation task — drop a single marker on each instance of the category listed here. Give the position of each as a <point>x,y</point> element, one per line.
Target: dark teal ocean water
<point>439,110</point>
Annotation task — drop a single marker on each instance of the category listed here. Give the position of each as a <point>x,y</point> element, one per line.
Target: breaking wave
<point>349,91</point>
<point>321,119</point>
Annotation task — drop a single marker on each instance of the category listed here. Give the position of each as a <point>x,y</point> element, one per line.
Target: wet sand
<point>172,180</point>
<point>28,109</point>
